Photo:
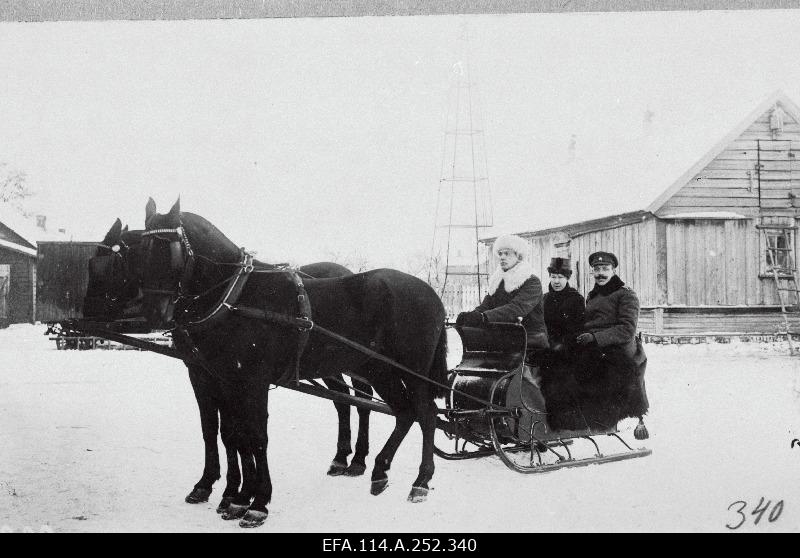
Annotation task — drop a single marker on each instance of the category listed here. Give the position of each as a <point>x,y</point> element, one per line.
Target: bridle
<point>184,259</point>
<point>111,292</point>
<point>181,255</point>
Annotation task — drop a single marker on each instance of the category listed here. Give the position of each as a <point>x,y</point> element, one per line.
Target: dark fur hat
<point>562,266</point>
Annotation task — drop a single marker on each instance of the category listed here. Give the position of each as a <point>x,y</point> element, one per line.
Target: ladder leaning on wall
<point>779,243</point>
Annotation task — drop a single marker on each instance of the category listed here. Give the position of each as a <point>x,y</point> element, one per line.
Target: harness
<point>227,305</point>
<point>182,254</point>
<point>103,266</point>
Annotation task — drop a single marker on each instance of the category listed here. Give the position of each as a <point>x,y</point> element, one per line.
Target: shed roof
<point>17,248</point>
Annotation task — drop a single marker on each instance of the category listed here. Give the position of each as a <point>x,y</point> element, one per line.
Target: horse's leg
<point>257,415</point>
<point>359,463</point>
<point>339,463</point>
<point>392,391</point>
<point>233,477</point>
<point>426,414</point>
<point>209,423</point>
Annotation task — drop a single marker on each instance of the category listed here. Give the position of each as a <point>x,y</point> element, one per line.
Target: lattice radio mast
<point>464,205</point>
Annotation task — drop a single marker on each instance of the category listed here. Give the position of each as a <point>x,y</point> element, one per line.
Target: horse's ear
<point>124,229</point>
<point>113,233</point>
<point>149,209</point>
<point>175,212</point>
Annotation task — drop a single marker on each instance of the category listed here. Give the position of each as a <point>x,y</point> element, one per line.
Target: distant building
<point>18,261</point>
<point>697,254</point>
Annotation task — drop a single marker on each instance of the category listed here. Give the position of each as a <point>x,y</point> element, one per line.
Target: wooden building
<point>20,278</point>
<point>62,278</point>
<point>697,255</point>
<point>17,278</point>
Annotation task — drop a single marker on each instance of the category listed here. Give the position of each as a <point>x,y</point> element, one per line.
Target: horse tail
<point>439,370</point>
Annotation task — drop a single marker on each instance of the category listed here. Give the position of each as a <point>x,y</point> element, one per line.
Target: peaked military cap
<point>599,258</point>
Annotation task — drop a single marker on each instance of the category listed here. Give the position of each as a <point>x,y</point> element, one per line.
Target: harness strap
<point>230,296</point>
<point>283,319</point>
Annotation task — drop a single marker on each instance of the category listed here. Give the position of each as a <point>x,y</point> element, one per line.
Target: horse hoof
<point>253,519</point>
<point>337,468</point>
<point>224,504</point>
<point>418,494</point>
<point>355,470</point>
<point>379,486</point>
<point>234,511</point>
<point>198,495</point>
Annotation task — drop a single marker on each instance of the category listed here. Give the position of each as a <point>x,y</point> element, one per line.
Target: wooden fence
<point>460,298</point>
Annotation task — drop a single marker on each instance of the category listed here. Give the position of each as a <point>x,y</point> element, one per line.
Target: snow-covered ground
<point>110,441</point>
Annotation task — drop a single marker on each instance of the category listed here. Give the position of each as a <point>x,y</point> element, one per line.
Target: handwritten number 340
<point>759,511</point>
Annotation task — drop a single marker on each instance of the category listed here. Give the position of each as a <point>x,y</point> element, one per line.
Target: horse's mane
<point>208,234</point>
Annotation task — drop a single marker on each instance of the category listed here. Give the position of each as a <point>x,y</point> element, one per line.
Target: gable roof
<point>638,190</point>
<point>777,97</point>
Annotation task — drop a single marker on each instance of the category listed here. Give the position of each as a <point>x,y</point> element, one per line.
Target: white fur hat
<point>511,242</point>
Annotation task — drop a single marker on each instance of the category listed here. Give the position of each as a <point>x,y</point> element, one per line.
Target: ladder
<point>780,257</point>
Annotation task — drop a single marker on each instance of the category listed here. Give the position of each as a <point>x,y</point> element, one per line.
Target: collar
<point>566,290</point>
<point>614,284</point>
<point>511,279</point>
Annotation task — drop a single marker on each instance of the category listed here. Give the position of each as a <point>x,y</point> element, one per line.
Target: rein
<point>303,322</point>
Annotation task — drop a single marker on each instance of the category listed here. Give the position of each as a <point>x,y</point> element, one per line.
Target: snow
<point>110,441</point>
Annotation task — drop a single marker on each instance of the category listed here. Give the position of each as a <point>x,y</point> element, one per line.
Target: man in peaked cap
<point>612,309</point>
<point>611,361</point>
<point>514,291</point>
<point>564,308</point>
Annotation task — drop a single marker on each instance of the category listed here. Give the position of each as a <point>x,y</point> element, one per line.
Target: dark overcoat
<point>613,318</point>
<point>564,315</point>
<point>524,302</point>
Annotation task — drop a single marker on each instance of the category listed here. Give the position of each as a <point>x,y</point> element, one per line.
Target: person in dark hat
<point>564,308</point>
<point>514,292</point>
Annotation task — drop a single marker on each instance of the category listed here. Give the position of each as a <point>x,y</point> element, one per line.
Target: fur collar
<point>613,284</point>
<point>511,279</point>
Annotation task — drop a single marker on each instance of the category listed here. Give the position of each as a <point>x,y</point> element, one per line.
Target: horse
<point>113,293</point>
<point>198,280</point>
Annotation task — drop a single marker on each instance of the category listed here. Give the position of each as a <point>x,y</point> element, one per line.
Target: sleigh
<point>496,406</point>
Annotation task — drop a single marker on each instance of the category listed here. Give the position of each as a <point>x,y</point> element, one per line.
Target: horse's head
<point>186,262</point>
<point>114,278</point>
<point>165,252</point>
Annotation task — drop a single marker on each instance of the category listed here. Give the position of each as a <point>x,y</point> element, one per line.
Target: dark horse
<point>196,277</point>
<point>113,293</point>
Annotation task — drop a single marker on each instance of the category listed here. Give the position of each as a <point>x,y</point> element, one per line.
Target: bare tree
<point>14,189</point>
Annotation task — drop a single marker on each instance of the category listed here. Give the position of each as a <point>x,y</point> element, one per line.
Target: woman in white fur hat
<point>514,291</point>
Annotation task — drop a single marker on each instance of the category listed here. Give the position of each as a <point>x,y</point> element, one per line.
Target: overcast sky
<point>303,138</point>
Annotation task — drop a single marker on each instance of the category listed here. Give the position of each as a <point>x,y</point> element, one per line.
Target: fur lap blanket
<point>596,389</point>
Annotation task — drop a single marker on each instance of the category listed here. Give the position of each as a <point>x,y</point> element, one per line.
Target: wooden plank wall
<point>20,295</point>
<point>731,181</point>
<point>62,278</point>
<point>635,247</point>
<point>714,322</point>
<point>716,263</point>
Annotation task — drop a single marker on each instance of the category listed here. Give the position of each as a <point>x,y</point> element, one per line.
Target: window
<point>777,251</point>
